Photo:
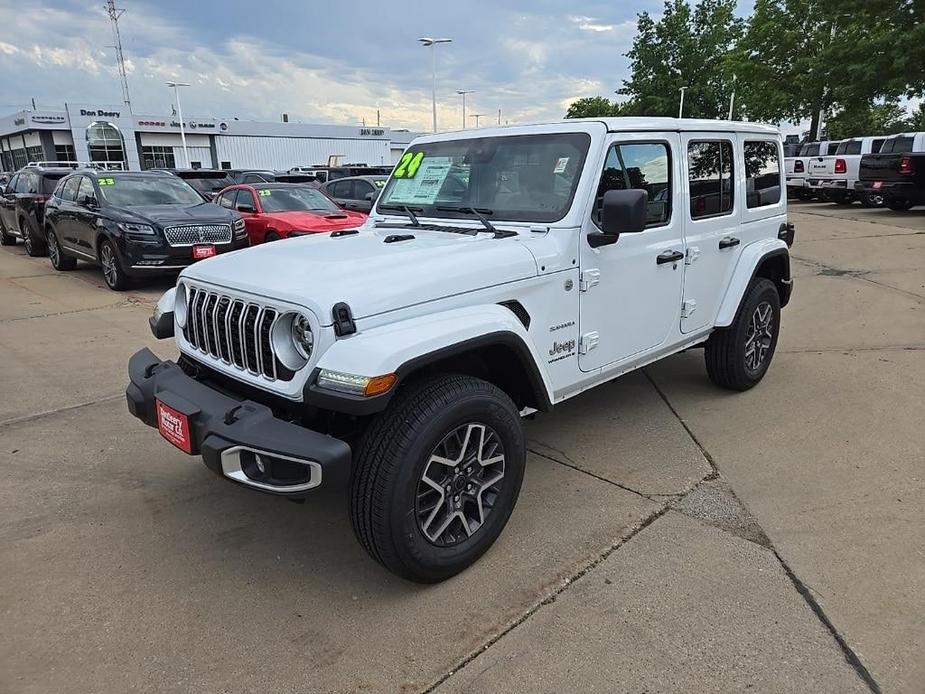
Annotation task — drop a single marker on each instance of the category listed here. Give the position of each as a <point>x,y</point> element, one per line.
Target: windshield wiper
<point>480,215</point>
<point>404,208</point>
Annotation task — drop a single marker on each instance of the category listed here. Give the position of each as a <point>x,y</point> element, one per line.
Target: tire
<point>730,362</point>
<point>448,418</point>
<point>5,238</point>
<point>113,272</point>
<point>35,246</point>
<point>804,195</point>
<point>899,204</point>
<point>271,236</point>
<point>59,261</point>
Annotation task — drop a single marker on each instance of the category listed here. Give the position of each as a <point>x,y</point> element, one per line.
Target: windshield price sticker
<point>264,193</point>
<point>424,188</point>
<point>408,165</point>
<point>106,181</point>
<point>560,165</point>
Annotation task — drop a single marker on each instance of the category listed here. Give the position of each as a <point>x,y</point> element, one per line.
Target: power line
<point>114,14</point>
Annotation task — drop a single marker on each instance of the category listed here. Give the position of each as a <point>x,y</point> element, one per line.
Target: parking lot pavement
<point>670,536</point>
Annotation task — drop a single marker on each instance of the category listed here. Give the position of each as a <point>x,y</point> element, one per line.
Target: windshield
<point>295,200</point>
<point>527,178</point>
<point>126,191</point>
<point>810,150</point>
<point>208,184</point>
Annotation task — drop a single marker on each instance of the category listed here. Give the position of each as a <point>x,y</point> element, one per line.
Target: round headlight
<point>179,306</point>
<point>302,336</point>
<point>293,340</point>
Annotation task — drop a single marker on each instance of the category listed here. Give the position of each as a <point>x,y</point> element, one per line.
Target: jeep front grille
<point>192,234</point>
<point>233,331</point>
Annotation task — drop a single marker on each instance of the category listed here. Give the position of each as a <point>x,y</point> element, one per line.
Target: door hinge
<point>687,308</point>
<point>588,279</point>
<point>691,255</point>
<point>588,341</point>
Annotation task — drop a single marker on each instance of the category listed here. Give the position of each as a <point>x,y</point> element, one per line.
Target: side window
<point>69,191</point>
<point>854,147</point>
<point>638,166</point>
<point>11,186</point>
<point>85,190</point>
<point>875,145</point>
<point>22,183</point>
<point>253,178</point>
<point>762,174</point>
<point>362,189</point>
<point>225,199</point>
<point>245,197</point>
<point>709,172</point>
<point>343,189</point>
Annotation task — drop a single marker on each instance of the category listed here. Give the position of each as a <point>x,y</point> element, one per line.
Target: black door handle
<point>669,257</point>
<point>728,242</point>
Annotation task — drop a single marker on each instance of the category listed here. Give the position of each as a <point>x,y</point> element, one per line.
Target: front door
<point>630,295</point>
<point>86,213</point>
<point>711,212</point>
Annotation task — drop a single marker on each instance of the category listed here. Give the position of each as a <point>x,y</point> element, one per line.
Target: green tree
<point>599,107</point>
<point>917,119</point>
<point>684,48</point>
<point>868,119</point>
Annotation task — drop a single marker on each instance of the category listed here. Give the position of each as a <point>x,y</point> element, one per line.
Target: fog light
<point>260,464</point>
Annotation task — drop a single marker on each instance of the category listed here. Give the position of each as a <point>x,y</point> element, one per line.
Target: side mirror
<point>88,201</point>
<point>248,209</point>
<point>371,196</point>
<point>622,212</point>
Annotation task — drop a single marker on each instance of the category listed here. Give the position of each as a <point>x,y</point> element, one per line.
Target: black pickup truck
<point>896,172</point>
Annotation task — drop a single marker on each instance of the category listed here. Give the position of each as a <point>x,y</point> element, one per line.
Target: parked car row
<point>137,224</point>
<point>876,171</point>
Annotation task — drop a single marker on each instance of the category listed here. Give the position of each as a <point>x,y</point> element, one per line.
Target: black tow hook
<point>231,415</point>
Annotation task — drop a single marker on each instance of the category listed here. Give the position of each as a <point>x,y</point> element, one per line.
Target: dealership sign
<point>99,113</point>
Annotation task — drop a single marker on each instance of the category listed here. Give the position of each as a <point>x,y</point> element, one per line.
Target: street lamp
<point>428,41</point>
<point>476,116</point>
<point>732,97</point>
<point>681,107</point>
<point>176,92</point>
<point>462,93</point>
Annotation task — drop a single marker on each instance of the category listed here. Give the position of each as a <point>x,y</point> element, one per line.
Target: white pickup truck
<point>797,169</point>
<point>501,272</point>
<point>836,174</point>
<point>810,155</point>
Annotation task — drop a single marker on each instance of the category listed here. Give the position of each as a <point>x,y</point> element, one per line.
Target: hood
<point>165,215</point>
<point>303,220</point>
<point>367,273</point>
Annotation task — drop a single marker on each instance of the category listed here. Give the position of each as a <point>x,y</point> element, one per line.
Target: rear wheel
<point>59,261</point>
<point>271,236</point>
<point>6,239</point>
<point>437,476</point>
<point>35,246</point>
<point>113,273</point>
<point>738,357</point>
<point>804,195</point>
<point>899,204</point>
<point>872,200</point>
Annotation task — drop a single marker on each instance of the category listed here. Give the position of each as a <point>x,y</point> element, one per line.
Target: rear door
<point>711,223</point>
<point>8,204</point>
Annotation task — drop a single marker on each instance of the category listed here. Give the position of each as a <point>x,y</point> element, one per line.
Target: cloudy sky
<point>331,61</point>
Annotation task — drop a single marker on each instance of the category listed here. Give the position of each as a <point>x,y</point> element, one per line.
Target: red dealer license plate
<point>877,184</point>
<point>200,252</point>
<point>174,426</point>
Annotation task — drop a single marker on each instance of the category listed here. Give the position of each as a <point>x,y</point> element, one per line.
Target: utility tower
<point>114,14</point>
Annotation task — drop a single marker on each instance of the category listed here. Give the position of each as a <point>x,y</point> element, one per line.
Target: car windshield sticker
<point>379,184</point>
<point>106,181</point>
<point>560,165</point>
<point>425,186</point>
<point>264,193</point>
<point>408,165</point>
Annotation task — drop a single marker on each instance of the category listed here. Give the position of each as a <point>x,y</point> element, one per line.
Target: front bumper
<point>144,257</point>
<point>241,440</point>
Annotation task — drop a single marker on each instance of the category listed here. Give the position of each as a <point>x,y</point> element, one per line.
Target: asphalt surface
<point>670,536</point>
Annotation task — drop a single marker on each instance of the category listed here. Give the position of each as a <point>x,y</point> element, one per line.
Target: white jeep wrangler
<point>502,271</point>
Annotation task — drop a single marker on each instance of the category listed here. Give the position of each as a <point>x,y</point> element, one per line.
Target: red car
<point>274,211</point>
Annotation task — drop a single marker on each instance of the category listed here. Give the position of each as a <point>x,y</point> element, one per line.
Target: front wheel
<point>437,476</point>
<point>6,239</point>
<point>738,357</point>
<point>113,272</point>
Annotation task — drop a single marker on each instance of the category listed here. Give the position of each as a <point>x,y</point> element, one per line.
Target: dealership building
<point>111,135</point>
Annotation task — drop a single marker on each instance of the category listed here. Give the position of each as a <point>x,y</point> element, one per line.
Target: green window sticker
<point>106,181</point>
<point>408,165</point>
<point>379,184</point>
<point>265,193</point>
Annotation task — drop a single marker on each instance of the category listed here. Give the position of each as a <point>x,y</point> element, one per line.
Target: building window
<point>19,159</point>
<point>226,164</point>
<point>104,141</point>
<point>65,153</point>
<point>35,153</point>
<point>762,173</point>
<point>157,157</point>
<point>709,169</point>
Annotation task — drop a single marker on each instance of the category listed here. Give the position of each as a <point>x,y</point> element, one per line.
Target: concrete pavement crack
<point>802,588</point>
<point>551,598</point>
<point>59,410</point>
<point>574,466</point>
<point>118,304</point>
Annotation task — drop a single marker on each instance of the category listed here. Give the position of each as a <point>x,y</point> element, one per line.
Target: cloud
<point>590,24</point>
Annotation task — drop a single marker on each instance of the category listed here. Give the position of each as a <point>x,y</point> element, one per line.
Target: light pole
<point>428,41</point>
<point>462,93</point>
<point>176,92</point>
<point>476,116</point>
<point>681,107</point>
<point>732,97</point>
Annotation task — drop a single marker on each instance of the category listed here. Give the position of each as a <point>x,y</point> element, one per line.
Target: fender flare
<point>750,260</point>
<point>407,346</point>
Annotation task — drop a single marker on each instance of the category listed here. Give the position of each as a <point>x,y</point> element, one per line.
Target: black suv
<point>135,224</point>
<point>207,182</point>
<point>22,206</point>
